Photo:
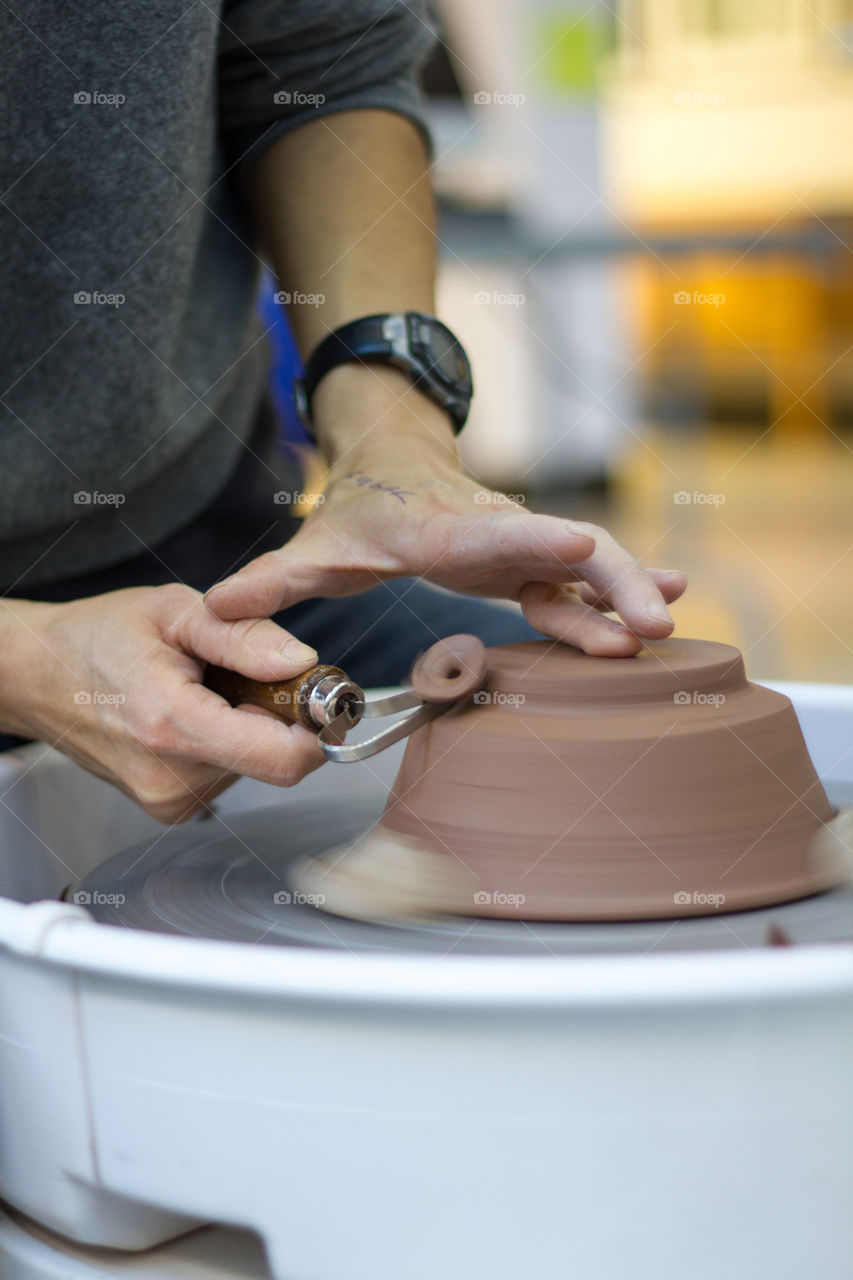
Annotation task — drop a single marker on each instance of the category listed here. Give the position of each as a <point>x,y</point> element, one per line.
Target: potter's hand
<point>402,508</point>
<point>115,682</point>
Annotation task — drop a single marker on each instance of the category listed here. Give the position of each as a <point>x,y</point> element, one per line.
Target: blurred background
<point>646,227</point>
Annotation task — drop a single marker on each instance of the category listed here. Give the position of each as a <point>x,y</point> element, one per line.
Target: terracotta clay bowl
<point>581,788</point>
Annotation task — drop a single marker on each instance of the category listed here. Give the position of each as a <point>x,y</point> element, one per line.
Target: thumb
<point>256,647</point>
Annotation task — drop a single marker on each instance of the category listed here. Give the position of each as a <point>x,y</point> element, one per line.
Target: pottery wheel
<point>227,878</point>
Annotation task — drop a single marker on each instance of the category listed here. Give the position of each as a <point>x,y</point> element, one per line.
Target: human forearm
<point>345,211</point>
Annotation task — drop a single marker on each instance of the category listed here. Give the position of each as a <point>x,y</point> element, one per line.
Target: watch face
<point>443,352</point>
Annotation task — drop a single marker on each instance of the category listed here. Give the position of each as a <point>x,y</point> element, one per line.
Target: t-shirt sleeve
<point>285,62</point>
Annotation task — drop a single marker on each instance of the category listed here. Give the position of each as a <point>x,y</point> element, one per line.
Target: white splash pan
<point>374,1117</point>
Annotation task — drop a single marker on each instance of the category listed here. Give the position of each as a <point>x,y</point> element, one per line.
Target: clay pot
<point>580,788</point>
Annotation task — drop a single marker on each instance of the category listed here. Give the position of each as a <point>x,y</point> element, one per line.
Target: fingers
<point>572,612</point>
<point>633,593</point>
<point>255,646</point>
<point>500,552</point>
<point>670,582</point>
<point>497,552</point>
<point>190,723</point>
<point>236,740</point>
<point>457,551</point>
<point>556,610</point>
<point>274,581</point>
<point>178,794</point>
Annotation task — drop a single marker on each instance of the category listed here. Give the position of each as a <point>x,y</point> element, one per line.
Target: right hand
<point>149,726</point>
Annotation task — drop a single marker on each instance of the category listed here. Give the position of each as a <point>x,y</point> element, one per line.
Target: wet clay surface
<point>452,668</point>
<point>579,788</point>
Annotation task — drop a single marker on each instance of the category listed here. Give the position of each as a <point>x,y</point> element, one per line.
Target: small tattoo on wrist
<point>370,482</point>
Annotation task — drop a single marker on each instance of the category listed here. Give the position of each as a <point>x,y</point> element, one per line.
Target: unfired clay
<point>582,788</point>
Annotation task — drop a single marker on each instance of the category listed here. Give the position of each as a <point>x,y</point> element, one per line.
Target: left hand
<point>408,511</point>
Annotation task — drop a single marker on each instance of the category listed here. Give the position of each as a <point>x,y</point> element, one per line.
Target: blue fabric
<point>285,363</point>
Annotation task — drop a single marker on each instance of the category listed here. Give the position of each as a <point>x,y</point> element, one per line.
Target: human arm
<point>343,207</point>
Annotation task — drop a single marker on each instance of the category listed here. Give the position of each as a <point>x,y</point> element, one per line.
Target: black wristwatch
<point>420,345</point>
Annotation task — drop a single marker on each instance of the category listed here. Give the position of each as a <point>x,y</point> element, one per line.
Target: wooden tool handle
<point>287,699</point>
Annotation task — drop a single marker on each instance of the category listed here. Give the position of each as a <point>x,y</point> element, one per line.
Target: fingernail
<point>296,651</point>
<point>577,531</point>
<point>617,627</point>
<point>658,613</point>
<point>224,583</point>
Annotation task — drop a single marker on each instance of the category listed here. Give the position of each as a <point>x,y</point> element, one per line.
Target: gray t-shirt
<point>132,359</point>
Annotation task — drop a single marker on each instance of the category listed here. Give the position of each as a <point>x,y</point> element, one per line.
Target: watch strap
<point>358,341</point>
<point>389,338</point>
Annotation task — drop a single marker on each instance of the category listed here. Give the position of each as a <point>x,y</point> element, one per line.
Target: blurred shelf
<point>499,235</point>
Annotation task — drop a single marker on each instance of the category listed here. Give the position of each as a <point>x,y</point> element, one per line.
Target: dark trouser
<point>374,636</point>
